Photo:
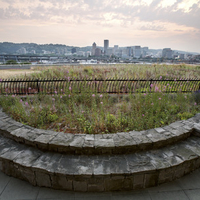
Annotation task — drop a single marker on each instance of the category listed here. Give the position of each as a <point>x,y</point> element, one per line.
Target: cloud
<point>133,18</point>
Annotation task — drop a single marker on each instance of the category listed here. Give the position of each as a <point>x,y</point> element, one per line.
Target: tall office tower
<point>94,46</point>
<point>106,46</point>
<point>167,53</point>
<point>116,48</point>
<point>137,51</point>
<point>129,51</point>
<point>97,52</point>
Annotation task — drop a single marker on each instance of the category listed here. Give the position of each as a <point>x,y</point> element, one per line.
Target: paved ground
<point>186,188</point>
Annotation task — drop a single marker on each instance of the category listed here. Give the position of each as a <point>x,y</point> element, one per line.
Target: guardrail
<point>114,86</point>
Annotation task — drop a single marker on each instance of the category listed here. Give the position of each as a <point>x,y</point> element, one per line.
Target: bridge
<point>30,58</point>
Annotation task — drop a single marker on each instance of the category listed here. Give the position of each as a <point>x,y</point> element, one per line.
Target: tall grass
<point>93,113</point>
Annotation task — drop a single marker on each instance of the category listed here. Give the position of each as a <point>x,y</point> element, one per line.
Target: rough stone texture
<point>104,162</point>
<point>99,172</point>
<point>43,179</point>
<point>119,143</point>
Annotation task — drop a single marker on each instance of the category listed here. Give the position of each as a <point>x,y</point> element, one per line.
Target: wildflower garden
<point>92,112</point>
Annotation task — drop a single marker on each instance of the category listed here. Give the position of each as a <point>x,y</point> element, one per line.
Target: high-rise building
<point>144,51</point>
<point>106,46</point>
<point>137,51</point>
<point>97,52</point>
<point>167,53</point>
<point>129,51</point>
<point>94,46</point>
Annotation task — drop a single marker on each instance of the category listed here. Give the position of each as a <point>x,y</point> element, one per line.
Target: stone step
<point>99,172</point>
<point>112,144</point>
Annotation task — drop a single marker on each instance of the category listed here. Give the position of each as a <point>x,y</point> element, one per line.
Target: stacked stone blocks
<point>104,162</point>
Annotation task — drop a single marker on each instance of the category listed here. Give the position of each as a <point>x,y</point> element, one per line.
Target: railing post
<point>38,85</point>
<point>150,84</point>
<point>95,85</point>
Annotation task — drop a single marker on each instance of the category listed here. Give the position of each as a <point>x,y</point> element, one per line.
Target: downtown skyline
<point>156,24</point>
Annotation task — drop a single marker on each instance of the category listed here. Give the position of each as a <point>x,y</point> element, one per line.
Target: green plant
<point>184,115</point>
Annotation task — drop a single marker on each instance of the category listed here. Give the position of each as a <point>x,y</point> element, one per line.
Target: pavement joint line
<point>6,185</point>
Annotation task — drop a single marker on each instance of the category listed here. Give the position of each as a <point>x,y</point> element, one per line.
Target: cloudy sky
<point>152,23</point>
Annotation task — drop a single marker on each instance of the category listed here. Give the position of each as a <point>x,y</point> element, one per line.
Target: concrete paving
<point>185,188</point>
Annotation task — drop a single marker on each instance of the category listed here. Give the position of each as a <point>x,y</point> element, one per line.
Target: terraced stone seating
<point>121,161</point>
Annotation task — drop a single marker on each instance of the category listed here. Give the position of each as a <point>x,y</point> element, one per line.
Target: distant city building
<point>80,53</point>
<point>181,56</point>
<point>167,53</point>
<point>97,52</point>
<point>124,53</point>
<point>115,49</point>
<point>129,51</point>
<point>106,46</point>
<point>144,51</point>
<point>137,51</point>
<point>88,53</point>
<point>109,51</point>
<point>94,46</point>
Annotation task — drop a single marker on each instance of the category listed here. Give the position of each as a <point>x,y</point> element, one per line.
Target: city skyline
<point>157,24</point>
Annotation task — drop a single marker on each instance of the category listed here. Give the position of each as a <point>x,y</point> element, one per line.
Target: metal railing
<point>113,86</point>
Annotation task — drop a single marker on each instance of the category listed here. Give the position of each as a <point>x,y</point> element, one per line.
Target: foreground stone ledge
<point>83,144</point>
<point>92,173</point>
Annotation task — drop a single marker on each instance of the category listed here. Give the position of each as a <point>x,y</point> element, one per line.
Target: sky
<point>157,24</point>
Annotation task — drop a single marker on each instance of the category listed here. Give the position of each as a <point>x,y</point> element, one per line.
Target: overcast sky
<point>153,23</point>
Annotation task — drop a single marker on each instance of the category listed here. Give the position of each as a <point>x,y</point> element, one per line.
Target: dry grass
<point>14,73</point>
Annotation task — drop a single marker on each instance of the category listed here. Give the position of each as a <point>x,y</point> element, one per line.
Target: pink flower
<point>0,79</point>
<point>13,95</point>
<point>152,104</point>
<point>70,88</point>
<point>101,95</point>
<point>185,97</point>
<point>160,77</point>
<point>101,102</point>
<point>61,97</point>
<point>26,103</point>
<point>69,96</point>
<point>145,94</point>
<point>93,95</point>
<point>156,89</point>
<point>151,85</point>
<point>53,99</point>
<point>195,103</point>
<point>20,100</point>
<point>29,88</point>
<point>159,98</point>
<point>61,90</point>
<point>56,92</point>
<point>143,115</point>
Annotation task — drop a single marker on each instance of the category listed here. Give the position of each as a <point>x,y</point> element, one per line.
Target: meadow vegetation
<point>92,113</point>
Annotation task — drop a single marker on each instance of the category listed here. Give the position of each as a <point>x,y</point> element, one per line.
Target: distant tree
<point>11,62</point>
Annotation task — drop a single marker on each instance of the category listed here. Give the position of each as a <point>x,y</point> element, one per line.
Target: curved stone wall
<point>121,161</point>
<point>119,143</point>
